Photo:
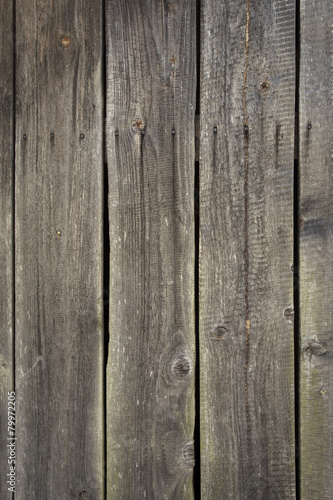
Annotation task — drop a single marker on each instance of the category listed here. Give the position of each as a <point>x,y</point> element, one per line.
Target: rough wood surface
<point>151,86</point>
<point>246,249</point>
<point>59,166</point>
<point>6,217</point>
<point>316,250</point>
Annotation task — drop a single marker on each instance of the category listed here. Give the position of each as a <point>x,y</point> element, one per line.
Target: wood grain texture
<point>7,42</point>
<point>151,83</point>
<point>59,165</point>
<point>316,250</point>
<point>246,249</point>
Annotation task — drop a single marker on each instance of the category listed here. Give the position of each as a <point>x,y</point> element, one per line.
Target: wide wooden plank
<point>59,167</point>
<point>316,249</point>
<point>151,82</point>
<point>246,249</point>
<point>7,41</point>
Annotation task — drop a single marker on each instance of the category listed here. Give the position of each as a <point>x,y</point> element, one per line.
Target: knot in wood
<point>189,455</point>
<point>289,314</point>
<point>65,41</point>
<point>181,367</point>
<point>314,349</point>
<point>139,125</point>
<point>219,333</point>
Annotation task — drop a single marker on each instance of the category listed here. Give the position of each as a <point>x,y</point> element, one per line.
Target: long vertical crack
<point>246,217</point>
<point>13,131</point>
<point>197,469</point>
<point>106,255</point>
<point>297,260</point>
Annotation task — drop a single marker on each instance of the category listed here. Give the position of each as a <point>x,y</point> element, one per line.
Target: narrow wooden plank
<point>6,248</point>
<point>316,249</point>
<point>246,249</point>
<point>150,374</point>
<point>59,343</point>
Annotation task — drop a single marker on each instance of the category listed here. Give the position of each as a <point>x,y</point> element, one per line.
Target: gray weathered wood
<point>59,166</point>
<point>6,218</point>
<point>316,250</point>
<point>246,249</point>
<point>150,374</point>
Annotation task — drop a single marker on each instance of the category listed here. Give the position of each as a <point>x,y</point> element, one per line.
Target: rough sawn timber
<point>246,249</point>
<point>151,84</point>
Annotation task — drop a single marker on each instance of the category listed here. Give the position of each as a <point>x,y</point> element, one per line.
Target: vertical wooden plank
<point>7,42</point>
<point>246,249</point>
<point>316,249</point>
<point>59,346</point>
<point>150,374</point>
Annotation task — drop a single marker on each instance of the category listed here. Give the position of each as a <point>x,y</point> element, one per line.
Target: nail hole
<point>264,86</point>
<point>52,135</point>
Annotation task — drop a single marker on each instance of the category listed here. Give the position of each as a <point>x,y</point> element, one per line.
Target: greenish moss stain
<point>313,420</point>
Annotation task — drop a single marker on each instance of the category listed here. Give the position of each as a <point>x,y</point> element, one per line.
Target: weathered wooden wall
<point>97,127</point>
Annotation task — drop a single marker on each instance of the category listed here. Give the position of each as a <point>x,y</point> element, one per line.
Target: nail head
<point>246,128</point>
<point>82,135</point>
<point>173,131</point>
<point>215,130</point>
<point>24,137</point>
<point>117,133</point>
<point>309,126</point>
